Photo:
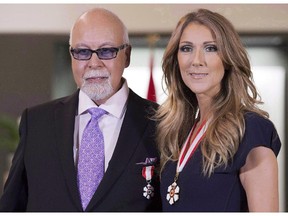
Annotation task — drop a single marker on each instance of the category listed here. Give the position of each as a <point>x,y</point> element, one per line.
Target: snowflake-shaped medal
<point>173,193</point>
<point>148,191</point>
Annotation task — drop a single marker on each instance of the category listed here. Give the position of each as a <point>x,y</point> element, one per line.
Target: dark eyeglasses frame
<point>115,51</point>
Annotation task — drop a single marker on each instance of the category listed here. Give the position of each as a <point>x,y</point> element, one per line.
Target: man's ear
<point>128,55</point>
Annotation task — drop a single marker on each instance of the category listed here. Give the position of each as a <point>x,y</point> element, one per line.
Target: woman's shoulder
<point>259,131</point>
<point>252,118</point>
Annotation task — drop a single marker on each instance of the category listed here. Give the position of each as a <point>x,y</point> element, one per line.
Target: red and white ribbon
<point>147,172</point>
<point>187,151</point>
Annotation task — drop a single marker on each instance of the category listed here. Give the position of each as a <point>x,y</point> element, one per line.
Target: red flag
<point>151,88</point>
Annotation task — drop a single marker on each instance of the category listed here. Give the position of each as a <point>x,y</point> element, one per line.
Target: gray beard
<point>97,91</point>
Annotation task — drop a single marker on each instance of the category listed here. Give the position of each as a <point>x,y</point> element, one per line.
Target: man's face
<point>99,78</point>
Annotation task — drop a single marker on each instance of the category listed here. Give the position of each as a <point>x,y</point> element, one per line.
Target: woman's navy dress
<point>222,191</point>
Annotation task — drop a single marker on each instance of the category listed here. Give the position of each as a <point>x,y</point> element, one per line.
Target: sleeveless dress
<point>222,191</point>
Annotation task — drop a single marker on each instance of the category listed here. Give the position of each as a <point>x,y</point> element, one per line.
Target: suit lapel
<point>129,139</point>
<point>64,122</point>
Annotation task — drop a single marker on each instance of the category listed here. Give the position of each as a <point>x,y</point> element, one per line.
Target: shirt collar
<point>115,105</point>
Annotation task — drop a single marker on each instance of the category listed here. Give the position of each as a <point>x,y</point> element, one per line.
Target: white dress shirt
<point>110,123</point>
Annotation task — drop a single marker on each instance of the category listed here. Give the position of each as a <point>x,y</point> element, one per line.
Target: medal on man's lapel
<point>185,154</point>
<point>147,173</point>
<point>148,191</point>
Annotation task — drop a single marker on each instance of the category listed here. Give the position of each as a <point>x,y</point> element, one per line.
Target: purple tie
<point>91,158</point>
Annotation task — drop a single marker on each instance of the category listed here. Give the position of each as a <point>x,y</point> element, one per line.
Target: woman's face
<point>200,64</point>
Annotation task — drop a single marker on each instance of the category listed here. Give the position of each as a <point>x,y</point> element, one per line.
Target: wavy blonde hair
<point>238,95</point>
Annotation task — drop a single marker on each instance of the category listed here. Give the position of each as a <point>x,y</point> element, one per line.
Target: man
<point>48,166</point>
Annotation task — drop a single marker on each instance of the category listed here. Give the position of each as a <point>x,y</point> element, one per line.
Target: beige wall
<point>139,18</point>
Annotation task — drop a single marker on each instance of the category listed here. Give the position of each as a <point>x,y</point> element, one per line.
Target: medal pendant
<point>173,193</point>
<point>148,191</point>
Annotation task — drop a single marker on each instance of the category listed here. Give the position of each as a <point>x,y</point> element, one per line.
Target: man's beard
<point>97,91</point>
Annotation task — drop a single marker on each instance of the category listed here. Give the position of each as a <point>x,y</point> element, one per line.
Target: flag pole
<point>152,40</point>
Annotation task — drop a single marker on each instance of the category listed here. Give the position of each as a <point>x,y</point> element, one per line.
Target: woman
<point>218,149</point>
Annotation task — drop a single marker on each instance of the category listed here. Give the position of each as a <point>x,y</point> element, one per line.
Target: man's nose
<point>95,62</point>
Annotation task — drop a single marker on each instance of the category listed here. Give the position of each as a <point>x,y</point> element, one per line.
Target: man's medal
<point>147,173</point>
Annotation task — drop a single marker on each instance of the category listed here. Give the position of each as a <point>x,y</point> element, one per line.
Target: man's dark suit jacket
<point>43,175</point>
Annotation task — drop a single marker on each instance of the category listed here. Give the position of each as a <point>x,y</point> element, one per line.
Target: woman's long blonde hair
<point>237,95</point>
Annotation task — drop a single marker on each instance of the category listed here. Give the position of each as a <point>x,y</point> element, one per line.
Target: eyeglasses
<point>105,53</point>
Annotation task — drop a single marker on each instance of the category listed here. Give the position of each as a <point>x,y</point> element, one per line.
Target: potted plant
<point>9,136</point>
<point>9,139</point>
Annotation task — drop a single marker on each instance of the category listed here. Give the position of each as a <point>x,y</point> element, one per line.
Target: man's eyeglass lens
<point>105,53</point>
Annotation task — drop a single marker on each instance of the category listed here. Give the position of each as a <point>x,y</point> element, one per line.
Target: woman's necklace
<point>185,154</point>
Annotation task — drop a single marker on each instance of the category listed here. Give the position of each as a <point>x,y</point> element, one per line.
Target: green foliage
<point>9,136</point>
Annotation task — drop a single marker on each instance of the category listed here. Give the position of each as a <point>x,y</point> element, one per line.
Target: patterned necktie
<point>91,158</point>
